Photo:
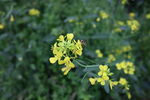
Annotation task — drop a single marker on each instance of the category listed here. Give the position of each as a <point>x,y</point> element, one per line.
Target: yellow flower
<point>133,24</point>
<point>120,23</point>
<point>111,58</point>
<point>69,65</point>
<point>123,2</point>
<point>94,25</point>
<point>103,74</point>
<point>61,38</point>
<point>112,83</point>
<point>98,19</point>
<point>131,14</point>
<point>129,95</point>
<point>99,53</point>
<point>147,16</point>
<point>70,36</point>
<point>34,12</point>
<point>2,26</point>
<point>53,60</point>
<point>103,15</point>
<point>78,49</point>
<point>65,50</point>
<point>92,81</point>
<point>123,81</point>
<point>128,67</point>
<point>12,19</point>
<point>117,30</point>
<point>71,20</point>
<point>102,80</point>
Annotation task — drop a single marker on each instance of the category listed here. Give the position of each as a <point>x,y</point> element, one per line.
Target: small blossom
<point>2,26</point>
<point>99,53</point>
<point>12,19</point>
<point>147,16</point>
<point>103,15</point>
<point>34,12</point>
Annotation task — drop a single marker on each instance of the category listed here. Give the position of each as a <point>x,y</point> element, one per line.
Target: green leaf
<point>106,87</point>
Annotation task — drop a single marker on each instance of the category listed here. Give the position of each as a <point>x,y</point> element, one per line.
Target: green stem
<point>86,66</point>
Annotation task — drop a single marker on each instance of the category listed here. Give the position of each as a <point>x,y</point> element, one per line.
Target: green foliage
<point>25,47</point>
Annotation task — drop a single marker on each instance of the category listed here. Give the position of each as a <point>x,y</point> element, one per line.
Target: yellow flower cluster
<point>103,15</point>
<point>99,53</point>
<point>133,24</point>
<point>128,67</point>
<point>123,49</point>
<point>147,16</point>
<point>125,84</point>
<point>65,50</point>
<point>111,58</point>
<point>2,26</point>
<point>103,74</point>
<point>118,25</point>
<point>34,12</point>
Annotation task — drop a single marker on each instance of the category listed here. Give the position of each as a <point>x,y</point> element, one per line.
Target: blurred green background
<point>25,47</point>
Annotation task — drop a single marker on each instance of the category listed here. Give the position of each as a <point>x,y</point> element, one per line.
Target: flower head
<point>103,15</point>
<point>34,12</point>
<point>2,26</point>
<point>65,50</point>
<point>128,67</point>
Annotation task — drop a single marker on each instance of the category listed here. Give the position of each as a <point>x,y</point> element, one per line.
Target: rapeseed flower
<point>123,2</point>
<point>131,15</point>
<point>103,77</point>
<point>98,19</point>
<point>103,15</point>
<point>111,58</point>
<point>34,12</point>
<point>65,50</point>
<point>147,16</point>
<point>128,67</point>
<point>124,49</point>
<point>133,24</point>
<point>2,26</point>
<point>124,83</point>
<point>99,53</point>
<point>12,19</point>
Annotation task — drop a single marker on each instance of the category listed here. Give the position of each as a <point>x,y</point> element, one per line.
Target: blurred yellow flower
<point>117,30</point>
<point>120,23</point>
<point>124,83</point>
<point>12,19</point>
<point>71,20</point>
<point>98,19</point>
<point>111,58</point>
<point>129,95</point>
<point>123,2</point>
<point>94,25</point>
<point>99,53</point>
<point>34,12</point>
<point>2,26</point>
<point>147,16</point>
<point>131,14</point>
<point>133,24</point>
<point>103,15</point>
